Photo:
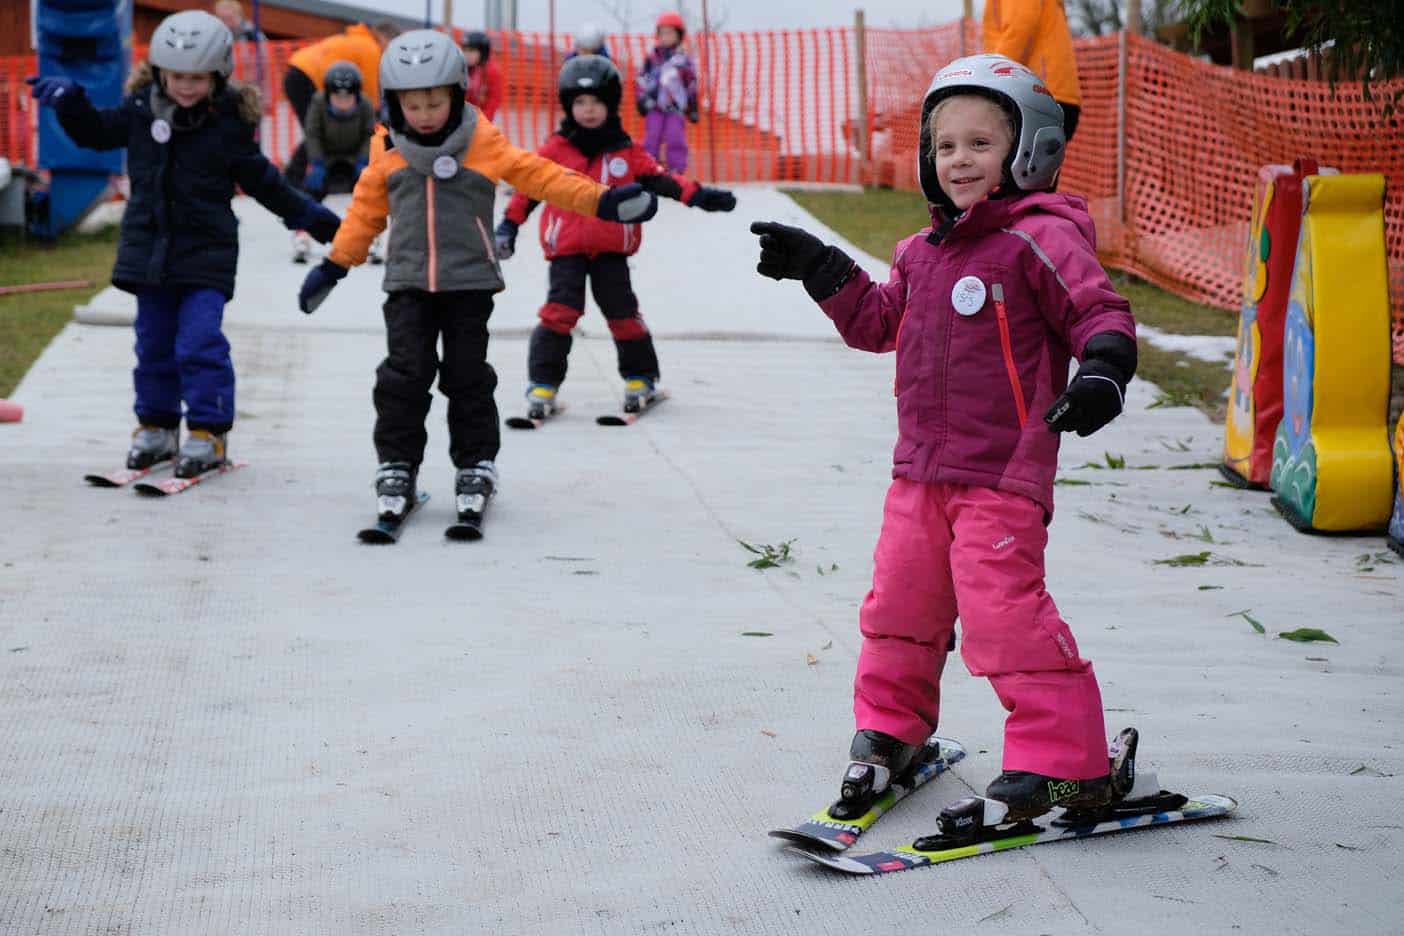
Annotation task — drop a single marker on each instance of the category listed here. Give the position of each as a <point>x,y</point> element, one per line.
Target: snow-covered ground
<point>224,715</point>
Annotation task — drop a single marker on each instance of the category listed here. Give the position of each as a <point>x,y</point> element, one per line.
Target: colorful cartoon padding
<point>1396,522</point>
<point>1331,464</point>
<point>1255,396</point>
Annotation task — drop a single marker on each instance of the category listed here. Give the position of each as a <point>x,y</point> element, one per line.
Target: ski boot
<point>473,487</point>
<point>376,254</point>
<point>1016,797</point>
<point>541,401</point>
<point>876,760</point>
<point>638,393</point>
<point>203,451</point>
<point>151,445</point>
<point>394,490</point>
<point>302,246</point>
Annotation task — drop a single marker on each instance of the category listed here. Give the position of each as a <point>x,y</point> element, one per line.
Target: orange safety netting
<point>783,106</point>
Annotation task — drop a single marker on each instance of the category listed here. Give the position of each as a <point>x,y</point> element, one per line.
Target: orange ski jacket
<point>356,45</point>
<point>1035,33</point>
<point>441,199</point>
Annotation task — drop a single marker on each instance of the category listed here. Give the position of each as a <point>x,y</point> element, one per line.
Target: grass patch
<point>29,321</point>
<point>874,221</point>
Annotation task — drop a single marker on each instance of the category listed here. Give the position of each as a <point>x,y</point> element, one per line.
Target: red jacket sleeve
<point>651,174</point>
<point>520,207</point>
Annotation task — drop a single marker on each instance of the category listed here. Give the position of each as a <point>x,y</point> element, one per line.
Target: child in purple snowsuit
<point>983,309</point>
<point>666,92</point>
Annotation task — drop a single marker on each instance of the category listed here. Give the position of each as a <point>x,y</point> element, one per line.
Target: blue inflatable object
<point>89,41</point>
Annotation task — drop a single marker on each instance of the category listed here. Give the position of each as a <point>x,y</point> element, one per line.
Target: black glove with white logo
<point>1097,392</point>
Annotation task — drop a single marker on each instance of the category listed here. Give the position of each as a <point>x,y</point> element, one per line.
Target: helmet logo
<point>182,40</point>
<point>954,73</point>
<point>586,82</point>
<point>1013,68</point>
<point>1040,89</point>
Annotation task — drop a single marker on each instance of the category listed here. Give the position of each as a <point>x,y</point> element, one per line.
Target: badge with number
<point>968,295</point>
<point>446,167</point>
<point>160,131</point>
<point>618,167</point>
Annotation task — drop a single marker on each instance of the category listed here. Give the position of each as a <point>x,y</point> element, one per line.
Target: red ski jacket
<point>486,88</point>
<point>564,233</point>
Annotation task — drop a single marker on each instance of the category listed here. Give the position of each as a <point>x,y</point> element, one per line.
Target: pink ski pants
<point>949,550</point>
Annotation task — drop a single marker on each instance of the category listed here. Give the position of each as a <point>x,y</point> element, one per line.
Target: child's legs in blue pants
<point>202,355</point>
<point>156,378</point>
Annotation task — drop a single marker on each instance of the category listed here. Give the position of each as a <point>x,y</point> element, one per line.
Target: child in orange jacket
<point>435,172</point>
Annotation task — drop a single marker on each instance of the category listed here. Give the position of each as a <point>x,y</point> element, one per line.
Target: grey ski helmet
<point>422,58</point>
<point>1039,142</point>
<point>193,41</point>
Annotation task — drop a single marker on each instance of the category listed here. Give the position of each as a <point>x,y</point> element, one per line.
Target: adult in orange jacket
<point>360,45</point>
<point>1035,33</point>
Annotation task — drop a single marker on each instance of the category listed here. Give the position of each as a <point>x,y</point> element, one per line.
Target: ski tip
<point>520,422</point>
<point>149,490</point>
<point>375,537</point>
<point>464,533</point>
<point>836,862</point>
<point>796,839</point>
<point>101,481</point>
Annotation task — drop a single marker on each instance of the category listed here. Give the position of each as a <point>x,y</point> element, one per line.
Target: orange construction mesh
<point>783,106</point>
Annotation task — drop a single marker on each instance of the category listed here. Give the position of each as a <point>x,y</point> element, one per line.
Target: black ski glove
<point>320,281</point>
<point>790,253</point>
<point>628,203</point>
<point>1097,392</point>
<point>712,199</point>
<point>506,237</point>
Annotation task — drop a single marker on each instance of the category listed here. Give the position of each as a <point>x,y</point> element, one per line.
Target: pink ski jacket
<point>984,323</point>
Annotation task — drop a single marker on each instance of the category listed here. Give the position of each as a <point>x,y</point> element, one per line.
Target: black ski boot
<point>876,759</point>
<point>394,490</point>
<point>473,487</point>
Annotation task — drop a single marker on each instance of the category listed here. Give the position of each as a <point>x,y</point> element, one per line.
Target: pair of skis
<point>164,487</point>
<point>623,418</point>
<point>823,838</point>
<point>467,528</point>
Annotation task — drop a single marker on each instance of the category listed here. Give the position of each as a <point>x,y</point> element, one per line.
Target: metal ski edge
<point>1203,806</point>
<point>822,830</point>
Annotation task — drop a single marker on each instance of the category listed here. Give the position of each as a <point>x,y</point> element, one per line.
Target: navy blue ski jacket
<point>179,229</point>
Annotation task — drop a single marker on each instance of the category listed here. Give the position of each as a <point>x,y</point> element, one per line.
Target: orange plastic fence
<point>784,106</point>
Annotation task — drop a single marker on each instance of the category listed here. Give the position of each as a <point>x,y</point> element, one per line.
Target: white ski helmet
<point>1039,142</point>
<point>422,58</point>
<point>590,38</point>
<point>193,41</point>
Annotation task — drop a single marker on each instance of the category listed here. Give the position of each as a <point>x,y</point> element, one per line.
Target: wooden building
<point>279,19</point>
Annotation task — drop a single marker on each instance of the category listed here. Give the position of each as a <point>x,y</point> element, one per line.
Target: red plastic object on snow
<point>10,412</point>
<point>1255,396</point>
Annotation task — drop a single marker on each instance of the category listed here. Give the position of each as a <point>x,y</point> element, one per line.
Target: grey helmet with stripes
<point>1039,141</point>
<point>422,58</point>
<point>192,41</point>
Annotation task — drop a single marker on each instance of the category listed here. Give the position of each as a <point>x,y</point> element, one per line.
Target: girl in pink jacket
<point>984,310</point>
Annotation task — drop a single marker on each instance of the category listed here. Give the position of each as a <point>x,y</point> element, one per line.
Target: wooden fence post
<point>860,37</point>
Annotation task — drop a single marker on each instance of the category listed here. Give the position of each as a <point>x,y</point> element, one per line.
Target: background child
<point>592,141</point>
<point>340,123</point>
<point>984,310</point>
<point>666,90</point>
<point>189,135</point>
<point>486,86</point>
<point>436,175</point>
<point>589,40</point>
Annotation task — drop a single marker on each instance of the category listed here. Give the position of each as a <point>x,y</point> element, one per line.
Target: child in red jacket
<point>592,142</point>
<point>486,86</point>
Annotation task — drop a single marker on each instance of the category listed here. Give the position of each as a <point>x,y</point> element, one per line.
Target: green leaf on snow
<point>1252,621</point>
<point>1307,635</point>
